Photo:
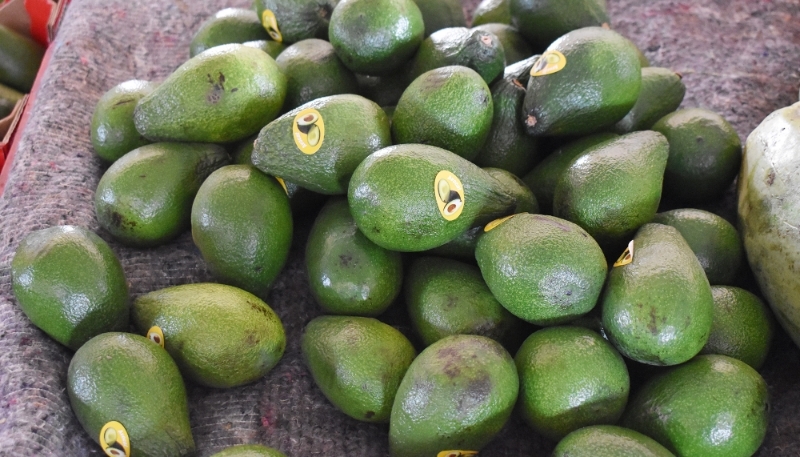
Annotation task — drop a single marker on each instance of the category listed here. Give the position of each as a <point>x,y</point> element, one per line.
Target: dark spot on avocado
<point>234,89</point>
<point>476,393</point>
<point>259,268</point>
<point>452,359</point>
<point>653,325</point>
<point>451,301</point>
<point>252,339</point>
<point>325,11</point>
<point>125,101</point>
<point>142,176</point>
<point>487,40</point>
<point>255,306</point>
<point>369,414</point>
<point>221,80</point>
<point>345,260</point>
<point>699,139</point>
<point>376,229</point>
<point>516,82</point>
<point>118,220</point>
<point>217,88</point>
<point>771,177</point>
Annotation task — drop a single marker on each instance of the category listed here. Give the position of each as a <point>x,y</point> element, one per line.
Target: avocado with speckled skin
<point>230,25</point>
<point>295,20</point>
<point>515,48</point>
<point>113,131</point>
<point>471,48</point>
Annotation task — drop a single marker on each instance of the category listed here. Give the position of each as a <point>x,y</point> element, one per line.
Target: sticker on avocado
<point>496,222</point>
<point>308,130</point>
<point>156,335</point>
<point>449,195</point>
<point>270,23</point>
<point>457,454</point>
<point>114,440</point>
<point>626,257</point>
<point>550,62</point>
<point>283,184</point>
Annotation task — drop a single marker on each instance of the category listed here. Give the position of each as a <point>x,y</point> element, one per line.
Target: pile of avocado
<point>525,188</point>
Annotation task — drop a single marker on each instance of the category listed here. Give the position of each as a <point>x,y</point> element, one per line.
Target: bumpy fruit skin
<point>129,379</point>
<point>249,450</point>
<point>769,212</point>
<point>113,131</point>
<point>70,284</point>
<point>609,441</point>
<point>570,377</point>
<point>457,395</point>
<point>475,49</point>
<point>358,363</point>
<point>713,406</point>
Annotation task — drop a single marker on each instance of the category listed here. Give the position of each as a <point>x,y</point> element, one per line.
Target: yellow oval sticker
<point>270,23</point>
<point>449,195</point>
<point>626,257</point>
<point>496,222</point>
<point>156,335</point>
<point>308,130</point>
<point>283,184</point>
<point>550,62</point>
<point>114,440</point>
<point>457,454</point>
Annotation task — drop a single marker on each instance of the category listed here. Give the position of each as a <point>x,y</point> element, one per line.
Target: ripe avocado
<point>230,25</point>
<point>295,20</point>
<point>609,441</point>
<point>471,48</point>
<point>113,131</point>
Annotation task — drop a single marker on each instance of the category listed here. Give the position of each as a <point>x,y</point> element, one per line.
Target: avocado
<point>319,144</point>
<point>661,93</point>
<point>456,395</point>
<point>570,377</point>
<point>492,11</point>
<point>543,21</point>
<point>347,273</point>
<point>712,406</point>
<point>609,441</point>
<point>518,190</point>
<point>376,37</point>
<point>449,107</point>
<point>714,241</point>
<point>224,94</point>
<point>113,131</point>
<point>543,178</point>
<point>461,247</point>
<point>145,197</point>
<point>614,187</point>
<point>384,90</point>
<point>543,269</point>
<point>20,58</point>
<point>515,48</point>
<point>242,224</point>
<point>230,25</point>
<point>446,297</point>
<point>658,308</point>
<point>414,197</point>
<point>357,363</point>
<point>585,81</point>
<point>471,48</point>
<point>312,71</point>
<point>289,21</point>
<point>220,336</point>
<point>127,383</point>
<point>70,284</point>
<point>441,14</point>
<point>273,48</point>
<point>8,100</point>
<point>249,450</point>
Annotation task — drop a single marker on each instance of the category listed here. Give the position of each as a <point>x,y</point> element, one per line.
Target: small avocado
<point>714,241</point>
<point>350,128</point>
<point>20,59</point>
<point>347,273</point>
<point>358,363</point>
<point>570,377</point>
<point>396,200</point>
<point>312,71</point>
<point>289,21</point>
<point>517,189</point>
<point>70,284</point>
<point>657,305</point>
<point>543,21</point>
<point>585,81</point>
<point>230,25</point>
<point>273,48</point>
<point>472,48</point>
<point>456,395</point>
<point>609,441</point>
<point>8,100</point>
<point>449,107</point>
<point>543,269</point>
<point>441,14</point>
<point>543,178</point>
<point>113,131</point>
<point>249,450</point>
<point>131,385</point>
<point>219,336</point>
<point>713,405</point>
<point>145,197</point>
<point>242,224</point>
<point>492,11</point>
<point>661,93</point>
<point>446,297</point>
<point>223,94</point>
<point>614,187</point>
<point>515,48</point>
<point>376,37</point>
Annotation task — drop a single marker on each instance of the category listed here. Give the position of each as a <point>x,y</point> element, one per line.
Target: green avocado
<point>661,93</point>
<point>20,58</point>
<point>273,48</point>
<point>441,14</point>
<point>357,362</point>
<point>515,48</point>
<point>543,21</point>
<point>130,380</point>
<point>492,11</point>
<point>145,197</point>
<point>319,144</point>
<point>295,20</point>
<point>249,450</point>
<point>471,48</point>
<point>609,441</point>
<point>113,131</point>
<point>242,224</point>
<point>517,189</point>
<point>230,25</point>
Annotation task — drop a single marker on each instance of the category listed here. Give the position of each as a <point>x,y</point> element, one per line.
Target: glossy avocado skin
<point>686,407</point>
<point>145,197</point>
<point>543,21</point>
<point>230,25</point>
<point>661,93</point>
<point>515,48</point>
<point>298,19</point>
<point>242,224</point>
<point>658,308</point>
<point>609,441</point>
<point>517,189</point>
<point>347,273</point>
<point>113,132</point>
<point>472,48</point>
